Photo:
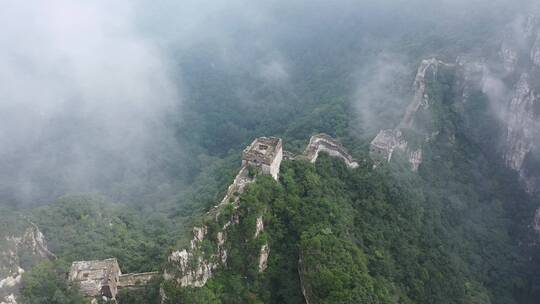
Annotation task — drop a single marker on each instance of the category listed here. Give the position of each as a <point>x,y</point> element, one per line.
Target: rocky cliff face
<point>193,266</point>
<point>428,71</point>
<point>522,123</point>
<point>513,89</point>
<point>522,115</point>
<point>509,79</point>
<point>19,251</point>
<point>535,51</point>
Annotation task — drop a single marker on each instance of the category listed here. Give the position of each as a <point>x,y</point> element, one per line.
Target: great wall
<point>102,279</point>
<point>191,267</point>
<point>389,141</point>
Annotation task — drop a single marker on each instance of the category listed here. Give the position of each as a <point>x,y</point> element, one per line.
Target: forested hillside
<point>368,236</point>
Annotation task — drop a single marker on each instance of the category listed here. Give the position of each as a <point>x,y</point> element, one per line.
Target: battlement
<point>132,280</point>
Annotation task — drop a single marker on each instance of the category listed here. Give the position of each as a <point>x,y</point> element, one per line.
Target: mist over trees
<point>120,98</point>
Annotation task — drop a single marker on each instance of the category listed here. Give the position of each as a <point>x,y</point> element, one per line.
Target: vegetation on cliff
<point>373,237</point>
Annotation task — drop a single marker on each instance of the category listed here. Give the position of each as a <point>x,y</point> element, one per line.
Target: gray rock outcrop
<point>30,244</point>
<point>522,118</point>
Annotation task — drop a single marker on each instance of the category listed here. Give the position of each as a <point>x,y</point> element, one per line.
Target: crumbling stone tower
<point>265,153</point>
<point>97,279</point>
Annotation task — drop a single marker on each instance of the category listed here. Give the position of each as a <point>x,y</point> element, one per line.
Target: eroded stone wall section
<point>134,280</point>
<point>385,143</point>
<point>324,143</point>
<point>421,99</point>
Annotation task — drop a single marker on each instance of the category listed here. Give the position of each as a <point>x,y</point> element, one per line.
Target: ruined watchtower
<point>383,145</point>
<point>97,279</point>
<point>265,153</point>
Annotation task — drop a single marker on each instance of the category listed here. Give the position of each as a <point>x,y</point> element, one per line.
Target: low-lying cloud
<point>82,98</point>
<point>383,92</point>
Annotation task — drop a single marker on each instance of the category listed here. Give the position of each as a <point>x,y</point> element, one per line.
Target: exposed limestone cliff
<point>30,244</point>
<point>522,121</point>
<point>415,159</point>
<point>535,52</point>
<point>260,226</point>
<point>511,83</point>
<point>263,257</point>
<point>192,267</point>
<point>240,182</point>
<point>428,69</point>
<point>522,130</point>
<point>521,124</point>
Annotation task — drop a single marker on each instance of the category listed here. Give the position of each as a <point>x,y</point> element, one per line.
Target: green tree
<point>46,283</point>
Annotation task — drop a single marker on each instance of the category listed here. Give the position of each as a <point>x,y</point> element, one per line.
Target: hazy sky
<point>82,92</point>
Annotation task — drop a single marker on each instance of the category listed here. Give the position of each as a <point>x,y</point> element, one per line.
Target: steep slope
<point>508,81</point>
<point>487,127</point>
<point>326,233</point>
<point>521,151</point>
<point>337,235</point>
<point>210,249</point>
<point>22,245</point>
<point>420,123</point>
